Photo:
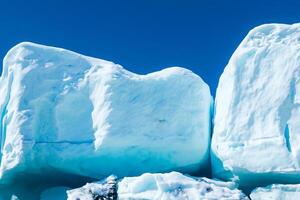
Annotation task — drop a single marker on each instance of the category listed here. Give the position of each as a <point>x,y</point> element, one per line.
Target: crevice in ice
<point>287,138</point>
<point>61,142</point>
<point>285,112</point>
<point>249,180</point>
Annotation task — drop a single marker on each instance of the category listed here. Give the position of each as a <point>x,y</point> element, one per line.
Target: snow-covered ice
<point>105,189</point>
<point>168,186</point>
<point>62,111</point>
<point>257,109</point>
<point>176,186</point>
<point>276,192</point>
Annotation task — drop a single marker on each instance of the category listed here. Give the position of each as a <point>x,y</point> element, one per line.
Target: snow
<point>276,192</point>
<point>175,186</point>
<point>257,113</point>
<point>62,111</point>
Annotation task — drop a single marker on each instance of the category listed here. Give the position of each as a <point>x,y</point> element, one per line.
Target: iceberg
<point>257,110</point>
<point>157,186</point>
<point>65,113</point>
<point>276,192</point>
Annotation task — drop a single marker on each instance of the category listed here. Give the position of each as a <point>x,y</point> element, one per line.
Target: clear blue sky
<point>143,35</point>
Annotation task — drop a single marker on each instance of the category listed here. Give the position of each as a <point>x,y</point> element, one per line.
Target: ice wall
<point>257,114</point>
<point>62,111</point>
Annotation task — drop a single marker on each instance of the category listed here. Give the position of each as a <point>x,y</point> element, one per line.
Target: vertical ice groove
<point>287,137</point>
<point>285,112</point>
<point>3,113</point>
<point>290,98</point>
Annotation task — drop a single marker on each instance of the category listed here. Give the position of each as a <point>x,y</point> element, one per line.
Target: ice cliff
<point>69,113</point>
<point>257,114</point>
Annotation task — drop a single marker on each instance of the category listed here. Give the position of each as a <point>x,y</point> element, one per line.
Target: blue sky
<point>143,35</point>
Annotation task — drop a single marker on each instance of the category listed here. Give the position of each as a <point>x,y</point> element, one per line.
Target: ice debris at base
<point>277,192</point>
<point>103,190</point>
<point>257,109</point>
<point>63,111</point>
<point>168,186</point>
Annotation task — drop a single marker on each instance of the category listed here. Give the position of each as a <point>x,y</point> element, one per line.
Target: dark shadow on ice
<point>35,184</point>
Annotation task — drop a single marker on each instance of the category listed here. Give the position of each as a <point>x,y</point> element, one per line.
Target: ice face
<point>276,192</point>
<point>65,112</point>
<point>257,114</point>
<point>168,186</point>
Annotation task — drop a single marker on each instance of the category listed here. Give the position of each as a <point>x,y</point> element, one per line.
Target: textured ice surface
<point>257,114</point>
<point>276,192</point>
<point>168,186</point>
<point>106,190</point>
<point>175,186</point>
<point>62,111</point>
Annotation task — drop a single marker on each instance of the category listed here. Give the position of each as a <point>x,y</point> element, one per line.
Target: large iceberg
<point>64,112</point>
<point>257,109</point>
<point>168,186</point>
<point>276,192</point>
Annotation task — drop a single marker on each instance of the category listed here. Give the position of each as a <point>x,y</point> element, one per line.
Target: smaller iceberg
<point>158,186</point>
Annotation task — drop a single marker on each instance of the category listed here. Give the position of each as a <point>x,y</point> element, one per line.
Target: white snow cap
<point>64,111</point>
<point>257,114</point>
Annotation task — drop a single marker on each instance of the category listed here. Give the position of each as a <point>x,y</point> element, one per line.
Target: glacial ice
<point>276,192</point>
<point>257,109</point>
<point>168,186</point>
<point>64,112</point>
